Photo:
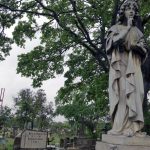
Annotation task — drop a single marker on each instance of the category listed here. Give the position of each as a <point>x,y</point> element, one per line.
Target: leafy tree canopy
<point>33,108</point>
<point>63,25</point>
<point>72,34</point>
<point>5,117</point>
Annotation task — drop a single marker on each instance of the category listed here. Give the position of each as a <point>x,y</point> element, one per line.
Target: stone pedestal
<point>71,148</point>
<point>110,142</point>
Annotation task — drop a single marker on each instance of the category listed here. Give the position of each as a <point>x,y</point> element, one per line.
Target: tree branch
<point>24,11</point>
<point>86,34</point>
<point>88,44</point>
<point>82,26</point>
<point>44,7</point>
<point>73,3</point>
<point>115,11</point>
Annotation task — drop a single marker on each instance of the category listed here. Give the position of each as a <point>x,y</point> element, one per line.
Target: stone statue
<point>126,50</point>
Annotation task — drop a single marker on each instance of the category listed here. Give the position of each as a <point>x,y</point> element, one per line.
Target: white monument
<point>33,139</point>
<point>126,50</point>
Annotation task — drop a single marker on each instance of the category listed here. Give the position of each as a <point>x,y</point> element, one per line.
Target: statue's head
<point>129,9</point>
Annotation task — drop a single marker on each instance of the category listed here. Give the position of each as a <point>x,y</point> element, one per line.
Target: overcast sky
<point>13,82</point>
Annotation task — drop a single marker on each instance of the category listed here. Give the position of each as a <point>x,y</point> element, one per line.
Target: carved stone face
<point>129,11</point>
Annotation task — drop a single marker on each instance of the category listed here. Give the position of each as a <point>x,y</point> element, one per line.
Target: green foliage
<point>23,105</point>
<point>32,107</point>
<point>72,35</point>
<point>62,26</point>
<point>60,31</point>
<point>61,130</point>
<point>83,99</point>
<point>43,111</point>
<point>5,117</point>
<point>9,144</point>
<point>39,60</point>
<point>23,30</point>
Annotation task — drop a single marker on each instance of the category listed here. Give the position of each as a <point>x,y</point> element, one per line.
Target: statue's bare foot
<point>140,134</point>
<point>128,132</point>
<point>112,132</point>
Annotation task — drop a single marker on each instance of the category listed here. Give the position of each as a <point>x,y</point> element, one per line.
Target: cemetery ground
<point>9,142</point>
<point>57,142</point>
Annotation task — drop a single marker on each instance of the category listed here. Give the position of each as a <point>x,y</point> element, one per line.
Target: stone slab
<point>71,148</point>
<point>122,140</point>
<point>31,139</point>
<point>107,146</point>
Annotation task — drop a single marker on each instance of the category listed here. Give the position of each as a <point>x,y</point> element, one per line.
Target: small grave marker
<point>33,139</point>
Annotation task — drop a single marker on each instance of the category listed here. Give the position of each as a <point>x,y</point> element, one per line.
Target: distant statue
<point>126,50</point>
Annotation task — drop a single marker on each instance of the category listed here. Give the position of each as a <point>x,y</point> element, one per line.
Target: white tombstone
<point>33,139</point>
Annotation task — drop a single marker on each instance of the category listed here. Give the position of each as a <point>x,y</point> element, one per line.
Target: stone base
<point>123,140</point>
<point>71,148</point>
<point>111,142</point>
<point>107,146</point>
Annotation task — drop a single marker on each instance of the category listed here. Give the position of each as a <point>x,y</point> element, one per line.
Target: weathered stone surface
<point>106,146</point>
<point>123,140</point>
<point>126,88</point>
<point>71,148</point>
<point>111,142</point>
<point>33,139</point>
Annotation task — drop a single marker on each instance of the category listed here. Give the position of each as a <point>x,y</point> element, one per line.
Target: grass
<point>9,144</point>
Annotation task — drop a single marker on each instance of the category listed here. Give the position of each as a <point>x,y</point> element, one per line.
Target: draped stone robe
<point>126,91</point>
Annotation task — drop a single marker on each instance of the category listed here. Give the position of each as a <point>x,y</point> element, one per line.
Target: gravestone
<point>33,139</point>
<point>78,143</point>
<point>30,139</point>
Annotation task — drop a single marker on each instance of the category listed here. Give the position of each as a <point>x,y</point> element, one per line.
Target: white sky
<point>13,82</point>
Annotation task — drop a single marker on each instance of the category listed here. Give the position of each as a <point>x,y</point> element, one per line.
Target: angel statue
<point>126,50</point>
